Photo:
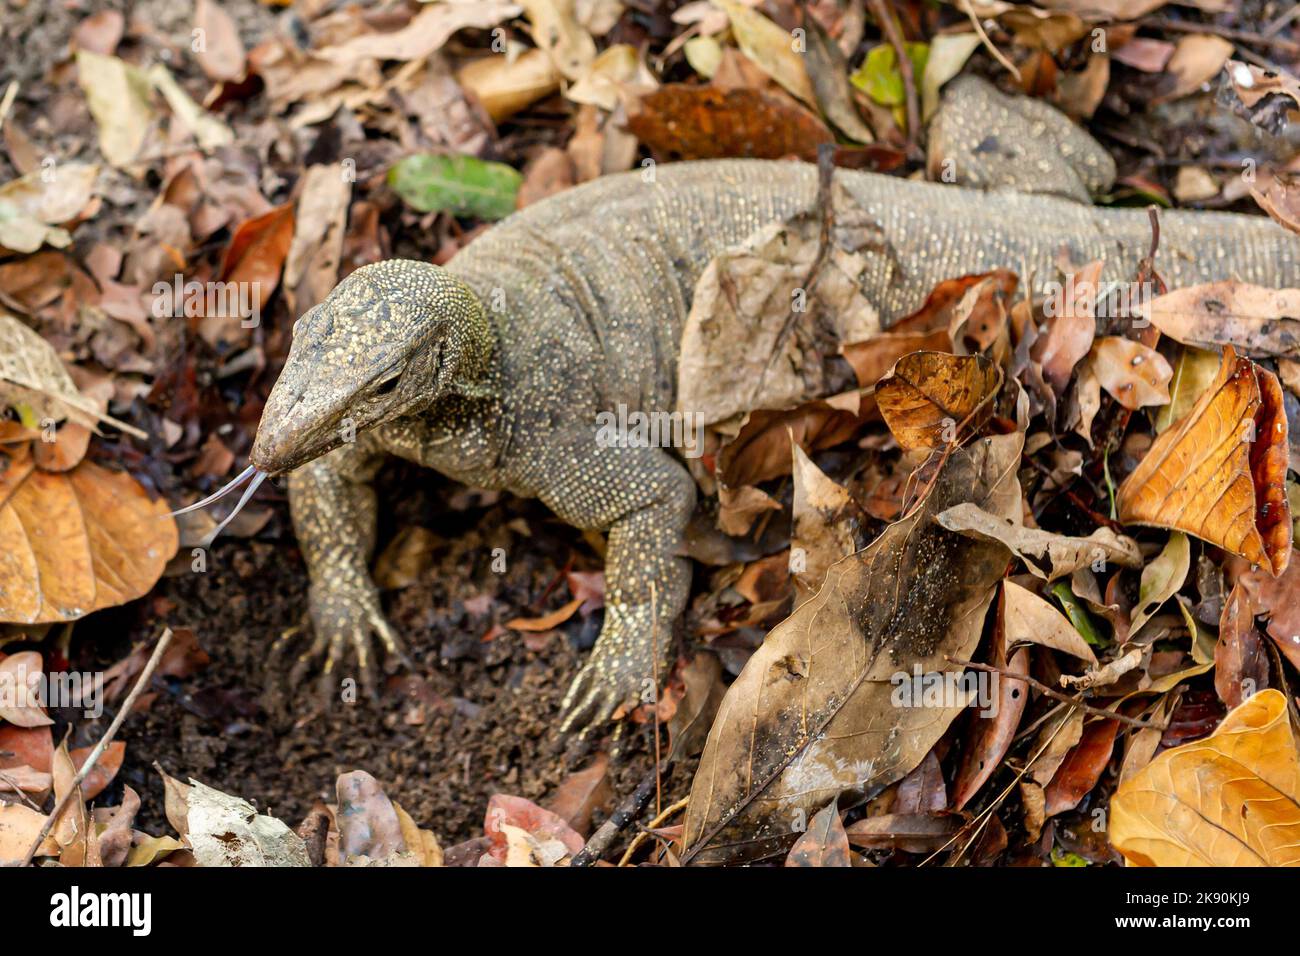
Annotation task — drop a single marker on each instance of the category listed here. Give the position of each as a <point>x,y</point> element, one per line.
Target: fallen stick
<point>104,741</point>
<point>620,818</point>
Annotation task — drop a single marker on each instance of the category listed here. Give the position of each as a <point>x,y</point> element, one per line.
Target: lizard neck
<point>469,350</point>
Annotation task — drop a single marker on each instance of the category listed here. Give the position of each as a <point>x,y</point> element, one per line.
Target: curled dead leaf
<point>932,399</point>
<point>1220,473</point>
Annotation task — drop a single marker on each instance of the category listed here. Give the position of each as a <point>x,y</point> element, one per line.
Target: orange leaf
<point>546,622</point>
<point>257,252</point>
<point>1232,799</point>
<point>1220,473</point>
<point>931,399</point>
<point>700,122</point>
<point>77,541</point>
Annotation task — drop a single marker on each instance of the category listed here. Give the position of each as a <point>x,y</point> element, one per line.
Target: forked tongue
<point>239,479</point>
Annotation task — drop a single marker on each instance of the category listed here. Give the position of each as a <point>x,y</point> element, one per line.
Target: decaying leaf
<point>932,399</point>
<point>226,831</point>
<point>825,521</point>
<point>769,46</point>
<point>1220,473</point>
<point>77,541</point>
<point>1134,374</point>
<point>702,122</point>
<point>1255,321</point>
<point>34,207</point>
<point>824,844</point>
<point>742,348</point>
<point>119,98</point>
<point>1231,799</point>
<point>1047,555</point>
<point>31,374</point>
<point>1027,617</point>
<point>813,714</point>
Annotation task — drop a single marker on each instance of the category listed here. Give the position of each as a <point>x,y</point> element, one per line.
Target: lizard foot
<point>616,678</point>
<point>341,617</point>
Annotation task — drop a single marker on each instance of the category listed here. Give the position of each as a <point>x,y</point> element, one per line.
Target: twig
<point>104,741</point>
<point>645,833</point>
<point>1274,28</point>
<point>620,818</point>
<point>882,10</point>
<point>1240,36</point>
<point>1054,693</point>
<point>988,44</point>
<point>11,94</point>
<point>654,617</point>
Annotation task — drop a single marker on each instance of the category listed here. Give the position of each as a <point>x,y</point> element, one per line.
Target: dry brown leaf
<point>1071,329</point>
<point>31,373</point>
<point>1197,59</point>
<point>1231,799</point>
<point>1134,374</point>
<point>761,450</point>
<point>824,844</point>
<point>1027,617</point>
<point>1220,473</point>
<point>505,85</point>
<point>701,122</point>
<point>932,399</point>
<point>77,541</point>
<point>771,48</point>
<point>1047,555</point>
<point>220,53</point>
<point>743,347</point>
<point>19,826</point>
<point>812,714</point>
<point>19,681</point>
<point>1255,321</point>
<point>547,622</point>
<point>689,726</point>
<point>557,31</point>
<point>825,521</point>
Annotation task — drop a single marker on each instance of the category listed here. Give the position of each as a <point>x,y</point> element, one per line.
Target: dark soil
<point>475,718</point>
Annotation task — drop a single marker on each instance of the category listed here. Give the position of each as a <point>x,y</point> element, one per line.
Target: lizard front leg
<point>333,507</point>
<point>645,498</point>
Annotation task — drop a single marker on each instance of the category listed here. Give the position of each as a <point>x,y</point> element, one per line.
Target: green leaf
<point>460,185</point>
<point>878,75</point>
<point>1078,615</point>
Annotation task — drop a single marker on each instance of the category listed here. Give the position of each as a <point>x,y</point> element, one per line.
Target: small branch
<point>645,832</point>
<point>104,741</point>
<point>1290,47</point>
<point>1055,694</point>
<point>620,818</point>
<point>989,44</point>
<point>883,11</point>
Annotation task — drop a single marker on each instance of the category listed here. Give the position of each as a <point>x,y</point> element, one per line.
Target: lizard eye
<point>387,386</point>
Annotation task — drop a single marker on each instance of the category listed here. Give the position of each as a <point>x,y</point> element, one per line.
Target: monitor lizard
<point>492,369</point>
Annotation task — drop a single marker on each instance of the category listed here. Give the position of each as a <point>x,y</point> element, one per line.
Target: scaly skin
<point>575,305</point>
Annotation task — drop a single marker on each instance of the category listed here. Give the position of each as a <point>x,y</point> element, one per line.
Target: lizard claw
<point>608,683</point>
<point>343,617</point>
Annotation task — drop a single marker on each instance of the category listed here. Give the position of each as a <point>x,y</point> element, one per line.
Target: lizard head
<point>389,340</point>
